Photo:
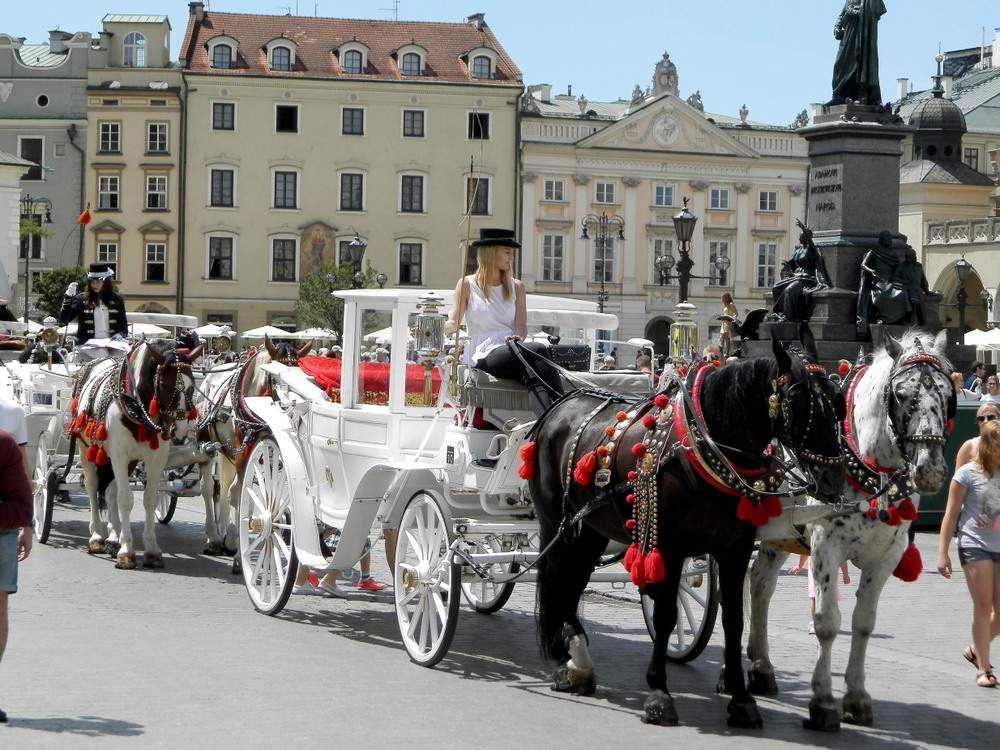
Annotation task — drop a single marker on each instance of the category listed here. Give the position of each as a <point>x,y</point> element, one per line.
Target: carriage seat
<point>502,400</point>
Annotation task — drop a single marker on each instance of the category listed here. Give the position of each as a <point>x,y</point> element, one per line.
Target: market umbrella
<point>210,330</point>
<point>147,329</point>
<point>272,331</point>
<point>975,336</point>
<point>315,333</point>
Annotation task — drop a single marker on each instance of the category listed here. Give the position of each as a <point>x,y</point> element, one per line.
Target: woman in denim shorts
<point>974,506</point>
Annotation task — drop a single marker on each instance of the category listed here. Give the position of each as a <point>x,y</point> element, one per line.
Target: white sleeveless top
<point>488,322</point>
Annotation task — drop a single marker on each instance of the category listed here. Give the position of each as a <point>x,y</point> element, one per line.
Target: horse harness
<point>890,488</point>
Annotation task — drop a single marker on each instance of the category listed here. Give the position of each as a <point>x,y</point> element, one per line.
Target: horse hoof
<point>659,708</point>
<point>857,711</point>
<point>112,548</point>
<point>744,716</point>
<point>761,683</point>
<point>125,562</point>
<point>237,568</point>
<point>575,681</point>
<point>822,719</point>
<point>213,549</point>
<point>96,548</point>
<point>152,560</point>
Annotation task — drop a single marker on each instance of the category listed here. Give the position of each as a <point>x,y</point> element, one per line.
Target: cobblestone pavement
<point>178,658</point>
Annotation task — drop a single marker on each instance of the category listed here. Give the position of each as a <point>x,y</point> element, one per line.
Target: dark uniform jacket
<point>74,308</point>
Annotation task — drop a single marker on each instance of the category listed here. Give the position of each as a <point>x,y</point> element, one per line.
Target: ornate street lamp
<point>382,279</point>
<point>606,230</point>
<point>962,269</point>
<point>30,208</point>
<point>356,253</point>
<point>684,229</point>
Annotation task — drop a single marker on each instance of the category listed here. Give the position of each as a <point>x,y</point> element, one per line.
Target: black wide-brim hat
<point>502,237</point>
<point>99,271</point>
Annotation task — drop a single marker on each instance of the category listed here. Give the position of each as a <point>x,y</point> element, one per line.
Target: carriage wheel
<point>425,581</point>
<point>46,489</point>
<point>266,551</point>
<point>166,504</point>
<point>697,607</point>
<point>483,595</point>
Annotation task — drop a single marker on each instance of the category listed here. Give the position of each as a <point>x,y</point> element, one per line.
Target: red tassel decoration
<point>632,475</point>
<point>609,430</point>
<point>638,572</point>
<point>527,453</point>
<point>894,519</point>
<point>630,524</point>
<point>949,426</point>
<point>661,400</point>
<point>102,456</point>
<point>142,433</point>
<point>744,510</point>
<point>844,367</point>
<point>630,498</point>
<point>193,414</point>
<point>154,407</point>
<point>911,565</point>
<point>584,468</point>
<point>773,507</point>
<point>630,555</point>
<point>92,453</point>
<point>154,441</point>
<point>73,404</point>
<point>91,426</point>
<point>655,569</point>
<point>602,450</point>
<point>649,421</point>
<point>102,431</point>
<point>759,517</point>
<point>621,416</point>
<point>639,450</point>
<point>907,510</point>
<point>872,508</point>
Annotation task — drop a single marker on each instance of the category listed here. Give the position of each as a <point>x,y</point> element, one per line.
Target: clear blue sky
<point>775,56</point>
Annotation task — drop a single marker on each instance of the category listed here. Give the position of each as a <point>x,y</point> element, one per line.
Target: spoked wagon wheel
<point>46,489</point>
<point>265,529</point>
<point>166,504</point>
<point>483,595</point>
<point>426,581</point>
<point>697,607</point>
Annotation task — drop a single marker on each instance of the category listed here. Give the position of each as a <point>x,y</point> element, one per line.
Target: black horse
<point>676,477</point>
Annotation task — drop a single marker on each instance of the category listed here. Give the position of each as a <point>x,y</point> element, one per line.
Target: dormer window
<point>134,50</point>
<point>222,56</point>
<point>354,62</point>
<point>281,58</point>
<point>482,67</point>
<point>410,64</point>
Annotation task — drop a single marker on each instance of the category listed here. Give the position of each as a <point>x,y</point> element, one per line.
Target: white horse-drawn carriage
<point>419,445</point>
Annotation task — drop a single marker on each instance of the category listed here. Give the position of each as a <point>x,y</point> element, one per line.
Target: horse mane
<point>912,341</point>
<point>734,401</point>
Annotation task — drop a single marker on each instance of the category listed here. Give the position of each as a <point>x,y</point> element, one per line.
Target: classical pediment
<point>107,226</point>
<point>669,125</point>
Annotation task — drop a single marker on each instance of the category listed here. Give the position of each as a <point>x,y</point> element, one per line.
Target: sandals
<point>970,656</point>
<point>986,679</point>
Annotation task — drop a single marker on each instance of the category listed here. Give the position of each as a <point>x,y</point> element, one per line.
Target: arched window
<point>281,58</point>
<point>353,62</point>
<point>134,51</point>
<point>411,64</point>
<point>222,56</point>
<point>482,67</point>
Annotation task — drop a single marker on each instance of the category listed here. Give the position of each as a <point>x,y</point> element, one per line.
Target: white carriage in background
<point>45,391</point>
<point>422,446</point>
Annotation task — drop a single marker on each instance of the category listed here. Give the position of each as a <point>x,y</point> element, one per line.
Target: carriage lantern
<point>683,334</point>
<point>430,338</point>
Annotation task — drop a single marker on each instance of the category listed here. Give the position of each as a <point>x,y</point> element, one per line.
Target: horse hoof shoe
<point>759,683</point>
<point>153,561</point>
<point>575,681</point>
<point>745,716</point>
<point>822,720</point>
<point>96,548</point>
<point>125,562</point>
<point>659,709</point>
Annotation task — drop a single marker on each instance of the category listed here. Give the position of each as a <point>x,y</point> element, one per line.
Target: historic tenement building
<point>639,160</point>
<point>304,133</point>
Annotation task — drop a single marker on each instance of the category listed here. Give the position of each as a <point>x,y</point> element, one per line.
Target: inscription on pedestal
<point>826,187</point>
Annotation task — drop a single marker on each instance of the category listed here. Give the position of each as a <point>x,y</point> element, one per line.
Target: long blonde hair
<point>989,441</point>
<point>485,255</point>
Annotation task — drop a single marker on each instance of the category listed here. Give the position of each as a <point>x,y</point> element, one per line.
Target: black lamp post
<point>30,208</point>
<point>356,252</point>
<point>605,229</point>
<point>962,269</point>
<point>684,228</point>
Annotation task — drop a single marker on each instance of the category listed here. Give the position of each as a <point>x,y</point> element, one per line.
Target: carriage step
<point>486,463</point>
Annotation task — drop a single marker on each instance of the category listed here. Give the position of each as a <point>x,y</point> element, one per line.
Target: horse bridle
<point>815,394</point>
<point>179,367</point>
<point>928,363</point>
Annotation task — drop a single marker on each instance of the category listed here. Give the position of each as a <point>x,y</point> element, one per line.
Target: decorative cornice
<point>742,187</point>
<point>582,179</point>
<point>631,180</point>
<point>698,185</point>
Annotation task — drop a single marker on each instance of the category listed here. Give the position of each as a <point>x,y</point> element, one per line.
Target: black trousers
<point>544,386</point>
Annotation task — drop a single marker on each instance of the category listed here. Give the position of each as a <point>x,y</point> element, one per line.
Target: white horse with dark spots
<point>225,419</point>
<point>125,411</point>
<point>898,417</point>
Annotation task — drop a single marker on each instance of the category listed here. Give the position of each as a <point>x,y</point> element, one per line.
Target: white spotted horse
<point>674,477</point>
<point>899,414</point>
<point>225,419</point>
<point>125,411</point>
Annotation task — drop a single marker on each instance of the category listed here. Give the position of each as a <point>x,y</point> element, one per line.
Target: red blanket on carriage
<point>373,380</point>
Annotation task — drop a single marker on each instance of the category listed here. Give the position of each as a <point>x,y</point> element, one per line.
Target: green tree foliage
<point>316,306</point>
<point>50,287</point>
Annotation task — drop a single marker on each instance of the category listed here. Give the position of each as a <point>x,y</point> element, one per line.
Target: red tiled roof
<point>316,39</point>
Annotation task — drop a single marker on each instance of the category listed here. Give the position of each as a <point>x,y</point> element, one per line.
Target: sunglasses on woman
<point>986,417</point>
